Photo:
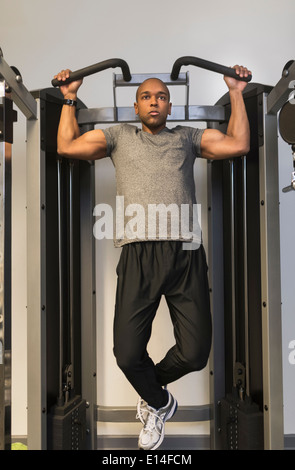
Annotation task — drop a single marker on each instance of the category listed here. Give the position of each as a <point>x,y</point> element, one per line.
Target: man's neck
<point>153,131</point>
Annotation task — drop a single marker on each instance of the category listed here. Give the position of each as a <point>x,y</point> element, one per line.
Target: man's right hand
<point>69,91</point>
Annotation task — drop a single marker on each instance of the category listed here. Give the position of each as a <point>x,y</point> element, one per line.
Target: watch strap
<point>70,102</point>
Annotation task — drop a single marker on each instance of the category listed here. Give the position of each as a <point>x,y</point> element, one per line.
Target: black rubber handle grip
<point>205,64</point>
<point>91,69</point>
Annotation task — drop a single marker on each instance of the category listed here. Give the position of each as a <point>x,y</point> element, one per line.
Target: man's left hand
<point>233,83</point>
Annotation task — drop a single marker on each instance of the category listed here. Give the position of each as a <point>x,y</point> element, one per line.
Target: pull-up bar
<point>91,69</point>
<point>205,64</point>
<point>113,63</point>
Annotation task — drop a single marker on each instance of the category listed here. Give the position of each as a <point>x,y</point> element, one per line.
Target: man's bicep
<point>90,146</point>
<point>213,144</point>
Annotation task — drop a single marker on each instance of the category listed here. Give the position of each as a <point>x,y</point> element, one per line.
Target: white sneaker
<point>152,434</point>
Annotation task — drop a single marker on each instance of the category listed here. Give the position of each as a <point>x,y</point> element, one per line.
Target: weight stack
<point>67,426</point>
<point>241,424</point>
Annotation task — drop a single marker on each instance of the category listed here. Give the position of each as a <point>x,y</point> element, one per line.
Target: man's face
<point>152,105</point>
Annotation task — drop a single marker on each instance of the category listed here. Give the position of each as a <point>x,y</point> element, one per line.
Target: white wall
<point>41,37</point>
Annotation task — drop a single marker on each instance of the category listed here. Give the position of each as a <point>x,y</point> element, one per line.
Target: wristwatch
<point>70,102</point>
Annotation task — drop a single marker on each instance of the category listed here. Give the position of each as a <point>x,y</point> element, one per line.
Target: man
<point>154,165</point>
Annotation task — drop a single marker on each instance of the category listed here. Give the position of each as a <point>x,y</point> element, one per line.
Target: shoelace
<point>150,424</point>
<point>141,408</point>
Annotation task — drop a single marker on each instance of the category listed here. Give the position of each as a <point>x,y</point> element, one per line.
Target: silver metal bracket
<point>19,94</point>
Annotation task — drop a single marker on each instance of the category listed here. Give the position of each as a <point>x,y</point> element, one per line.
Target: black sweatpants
<point>146,271</point>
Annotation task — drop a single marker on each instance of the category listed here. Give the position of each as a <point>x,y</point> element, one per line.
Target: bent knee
<point>196,361</point>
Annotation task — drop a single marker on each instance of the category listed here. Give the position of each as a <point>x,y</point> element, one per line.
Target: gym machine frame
<point>35,106</point>
<point>7,117</point>
<point>244,263</point>
<point>48,312</point>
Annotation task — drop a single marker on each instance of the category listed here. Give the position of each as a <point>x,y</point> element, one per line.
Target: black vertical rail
<point>233,270</point>
<point>245,256</point>
<point>61,286</point>
<point>6,125</point>
<point>71,269</point>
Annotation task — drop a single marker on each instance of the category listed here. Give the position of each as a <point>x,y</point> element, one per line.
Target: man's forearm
<point>238,126</point>
<point>68,129</point>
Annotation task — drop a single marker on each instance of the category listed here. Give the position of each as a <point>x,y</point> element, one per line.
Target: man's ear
<point>136,108</point>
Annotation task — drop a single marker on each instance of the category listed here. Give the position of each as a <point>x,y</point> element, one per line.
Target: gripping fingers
<point>242,71</point>
<point>67,87</point>
<point>63,75</point>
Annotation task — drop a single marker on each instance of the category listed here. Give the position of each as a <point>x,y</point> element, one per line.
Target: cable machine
<point>244,267</point>
<point>245,279</point>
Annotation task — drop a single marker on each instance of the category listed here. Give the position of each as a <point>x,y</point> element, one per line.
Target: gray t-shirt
<point>155,183</point>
